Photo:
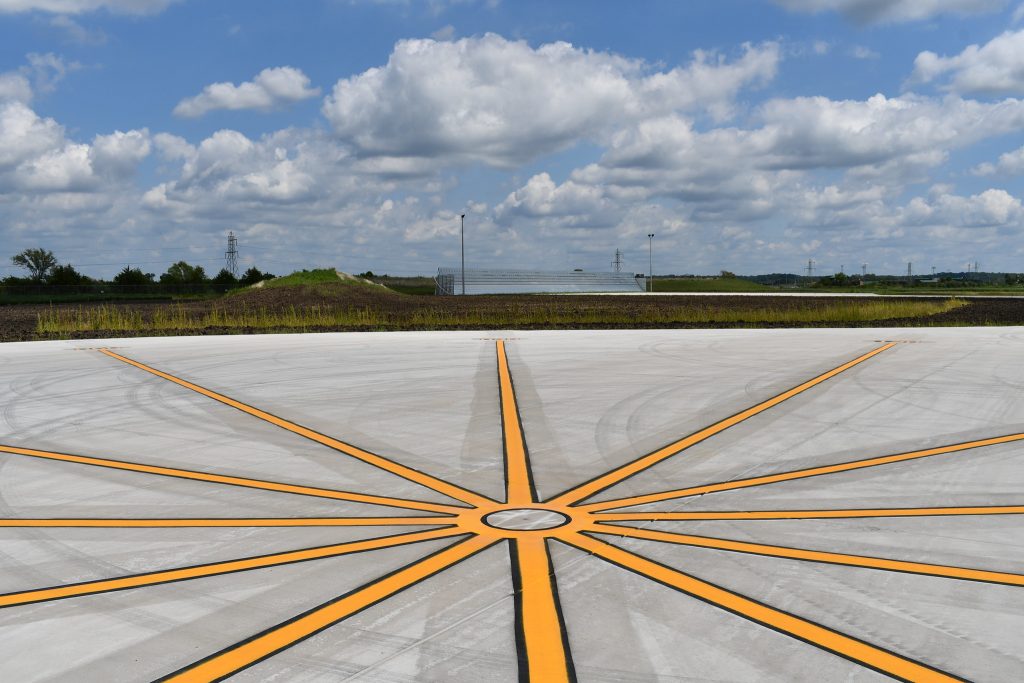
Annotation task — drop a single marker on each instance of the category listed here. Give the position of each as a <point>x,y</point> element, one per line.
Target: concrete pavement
<point>656,505</point>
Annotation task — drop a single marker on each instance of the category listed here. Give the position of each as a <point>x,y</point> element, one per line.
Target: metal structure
<point>462,241</point>
<point>231,255</point>
<point>650,242</point>
<point>617,263</point>
<point>486,281</point>
<point>810,267</point>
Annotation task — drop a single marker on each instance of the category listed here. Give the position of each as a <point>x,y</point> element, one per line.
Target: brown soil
<point>18,322</point>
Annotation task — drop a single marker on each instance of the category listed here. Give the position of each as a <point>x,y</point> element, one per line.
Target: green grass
<point>414,285</point>
<point>710,284</point>
<point>929,291</point>
<point>305,277</point>
<point>178,319</point>
<point>495,314</point>
<point>413,290</point>
<point>112,318</point>
<point>562,316</point>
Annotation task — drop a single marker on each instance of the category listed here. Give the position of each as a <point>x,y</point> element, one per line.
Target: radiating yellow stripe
<point>216,568</point>
<point>545,657</point>
<point>433,483</point>
<point>519,488</point>
<point>252,650</point>
<point>859,651</point>
<point>615,476</point>
<point>798,474</point>
<point>97,523</point>
<point>862,561</point>
<point>810,514</point>
<point>233,481</point>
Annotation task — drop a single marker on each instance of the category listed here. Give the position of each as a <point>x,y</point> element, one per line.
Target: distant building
<point>485,281</point>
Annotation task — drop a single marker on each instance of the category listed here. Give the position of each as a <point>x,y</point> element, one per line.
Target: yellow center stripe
<point>630,469</point>
<point>216,568</point>
<point>517,468</point>
<point>233,481</point>
<point>881,660</point>
<point>252,650</point>
<point>810,514</point>
<point>799,474</point>
<point>541,631</point>
<point>815,555</point>
<point>378,461</point>
<point>224,522</point>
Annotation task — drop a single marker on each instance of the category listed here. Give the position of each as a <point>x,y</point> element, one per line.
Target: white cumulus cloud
<point>270,88</point>
<point>36,157</point>
<point>1009,163</point>
<point>14,86</point>
<point>503,102</point>
<point>997,67</point>
<point>41,75</point>
<point>991,208</point>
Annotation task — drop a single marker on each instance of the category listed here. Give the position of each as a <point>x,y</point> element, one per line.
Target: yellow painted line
<point>639,465</point>
<point>868,655</point>
<point>810,514</point>
<point>217,568</point>
<point>822,556</point>
<point>799,474</point>
<point>223,522</point>
<point>284,635</point>
<point>233,481</point>
<point>433,483</point>
<point>518,481</point>
<point>540,630</point>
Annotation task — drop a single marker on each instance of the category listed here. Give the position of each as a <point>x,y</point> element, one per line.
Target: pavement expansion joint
<point>528,526</point>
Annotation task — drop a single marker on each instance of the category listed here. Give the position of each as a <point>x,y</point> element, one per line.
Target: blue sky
<point>747,135</point>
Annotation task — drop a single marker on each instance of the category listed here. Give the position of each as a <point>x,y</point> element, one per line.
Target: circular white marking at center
<point>526,519</point>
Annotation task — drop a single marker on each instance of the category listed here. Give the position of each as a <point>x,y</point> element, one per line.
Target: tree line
<point>47,275</point>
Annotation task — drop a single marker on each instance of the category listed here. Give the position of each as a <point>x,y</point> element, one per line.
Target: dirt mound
<point>350,292</point>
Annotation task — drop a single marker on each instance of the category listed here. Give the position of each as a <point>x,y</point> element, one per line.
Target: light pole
<point>650,253</point>
<point>462,233</point>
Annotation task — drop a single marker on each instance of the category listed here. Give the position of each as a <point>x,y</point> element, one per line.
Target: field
<point>316,301</point>
<point>710,284</point>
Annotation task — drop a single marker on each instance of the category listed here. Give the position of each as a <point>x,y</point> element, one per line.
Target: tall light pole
<point>650,253</point>
<point>462,233</point>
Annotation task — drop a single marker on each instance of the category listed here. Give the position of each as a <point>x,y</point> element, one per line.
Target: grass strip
<point>492,313</point>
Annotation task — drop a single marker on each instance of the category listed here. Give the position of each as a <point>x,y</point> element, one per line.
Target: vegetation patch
<point>475,312</point>
<point>727,282</point>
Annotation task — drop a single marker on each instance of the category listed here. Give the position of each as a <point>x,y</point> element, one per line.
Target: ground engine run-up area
<point>734,505</point>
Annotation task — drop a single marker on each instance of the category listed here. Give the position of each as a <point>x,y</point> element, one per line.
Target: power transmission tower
<point>617,263</point>
<point>909,276</point>
<point>231,255</point>
<point>810,267</point>
<point>863,270</point>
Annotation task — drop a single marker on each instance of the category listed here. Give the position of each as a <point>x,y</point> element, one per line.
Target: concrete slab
<point>734,505</point>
